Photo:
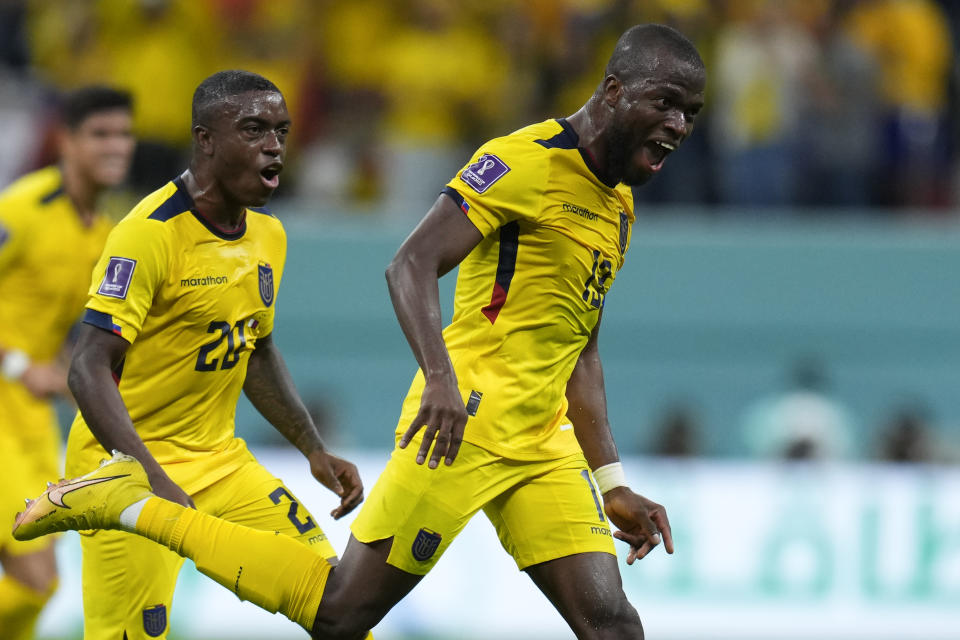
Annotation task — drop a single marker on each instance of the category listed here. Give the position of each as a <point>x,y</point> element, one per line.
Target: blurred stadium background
<point>782,351</point>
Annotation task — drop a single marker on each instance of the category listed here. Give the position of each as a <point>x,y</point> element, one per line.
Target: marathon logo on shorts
<point>117,279</point>
<point>266,283</point>
<point>155,620</point>
<point>484,172</point>
<point>425,544</point>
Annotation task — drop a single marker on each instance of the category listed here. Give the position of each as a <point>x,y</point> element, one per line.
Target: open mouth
<point>270,175</point>
<point>655,152</point>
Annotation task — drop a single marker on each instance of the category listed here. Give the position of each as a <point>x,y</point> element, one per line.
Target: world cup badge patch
<point>116,281</point>
<point>425,544</point>
<point>266,283</point>
<point>155,620</point>
<point>484,172</point>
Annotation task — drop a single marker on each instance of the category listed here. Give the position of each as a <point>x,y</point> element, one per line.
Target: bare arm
<point>442,239</point>
<point>270,388</point>
<point>641,521</point>
<point>97,354</point>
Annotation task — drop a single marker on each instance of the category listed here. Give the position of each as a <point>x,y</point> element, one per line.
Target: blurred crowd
<point>812,103</point>
<point>806,420</point>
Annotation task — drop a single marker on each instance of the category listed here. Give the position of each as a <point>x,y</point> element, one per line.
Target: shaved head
<point>641,49</point>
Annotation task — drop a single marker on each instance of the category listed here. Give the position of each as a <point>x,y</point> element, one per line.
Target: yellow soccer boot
<point>92,501</point>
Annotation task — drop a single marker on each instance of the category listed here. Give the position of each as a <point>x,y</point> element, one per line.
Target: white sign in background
<point>763,552</point>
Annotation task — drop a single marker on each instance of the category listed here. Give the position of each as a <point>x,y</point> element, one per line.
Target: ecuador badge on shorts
<point>425,544</point>
<point>155,620</point>
<point>266,283</point>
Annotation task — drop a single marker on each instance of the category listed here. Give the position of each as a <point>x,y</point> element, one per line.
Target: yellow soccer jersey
<point>46,253</point>
<point>192,301</point>
<point>528,296</point>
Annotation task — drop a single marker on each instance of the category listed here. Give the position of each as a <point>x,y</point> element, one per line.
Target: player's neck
<point>589,131</point>
<point>82,192</point>
<point>209,201</point>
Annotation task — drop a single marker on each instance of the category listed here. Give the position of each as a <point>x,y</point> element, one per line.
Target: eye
<point>252,129</point>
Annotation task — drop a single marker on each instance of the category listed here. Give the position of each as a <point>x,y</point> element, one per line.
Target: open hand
<point>444,416</point>
<point>642,522</point>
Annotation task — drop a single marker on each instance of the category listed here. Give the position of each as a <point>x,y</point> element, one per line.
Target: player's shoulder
<point>527,141</point>
<point>153,219</point>
<point>163,205</point>
<point>534,147</point>
<point>520,153</point>
<point>33,190</point>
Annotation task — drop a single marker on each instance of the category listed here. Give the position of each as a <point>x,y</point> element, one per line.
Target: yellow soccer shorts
<point>542,510</point>
<point>29,458</point>
<point>128,581</point>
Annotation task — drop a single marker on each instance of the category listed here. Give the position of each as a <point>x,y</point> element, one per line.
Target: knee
<point>339,628</point>
<point>617,622</point>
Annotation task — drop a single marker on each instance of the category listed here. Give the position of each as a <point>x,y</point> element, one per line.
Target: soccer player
<point>179,319</point>
<point>508,412</point>
<point>51,234</point>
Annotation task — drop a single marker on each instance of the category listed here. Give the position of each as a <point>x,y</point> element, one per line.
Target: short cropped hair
<point>639,46</point>
<point>80,104</point>
<point>222,85</point>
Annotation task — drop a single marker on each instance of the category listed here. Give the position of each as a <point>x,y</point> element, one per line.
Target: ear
<point>612,90</point>
<point>203,139</point>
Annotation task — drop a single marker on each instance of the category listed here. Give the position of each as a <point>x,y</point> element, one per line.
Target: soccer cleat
<point>92,501</point>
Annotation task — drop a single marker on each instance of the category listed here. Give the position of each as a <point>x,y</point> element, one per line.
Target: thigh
<point>424,509</point>
<point>128,584</point>
<point>555,511</point>
<point>587,591</point>
<point>407,521</point>
<point>255,498</point>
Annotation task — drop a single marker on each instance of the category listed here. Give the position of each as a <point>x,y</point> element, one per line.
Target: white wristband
<point>610,476</point>
<point>15,364</point>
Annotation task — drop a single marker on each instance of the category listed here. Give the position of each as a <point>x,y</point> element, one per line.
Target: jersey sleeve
<point>134,262</point>
<point>504,181</point>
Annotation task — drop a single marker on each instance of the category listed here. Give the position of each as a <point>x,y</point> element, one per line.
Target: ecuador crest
<point>425,544</point>
<point>266,283</point>
<point>155,620</point>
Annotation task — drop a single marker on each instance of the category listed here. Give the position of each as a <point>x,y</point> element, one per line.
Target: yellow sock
<point>20,607</point>
<point>273,571</point>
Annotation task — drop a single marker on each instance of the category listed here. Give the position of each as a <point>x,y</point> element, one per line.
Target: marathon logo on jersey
<point>484,172</point>
<point>266,283</point>
<point>203,281</point>
<point>583,212</point>
<point>117,279</point>
<point>155,620</point>
<point>425,545</point>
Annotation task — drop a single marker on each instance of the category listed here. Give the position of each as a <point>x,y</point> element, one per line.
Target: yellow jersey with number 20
<point>191,299</point>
